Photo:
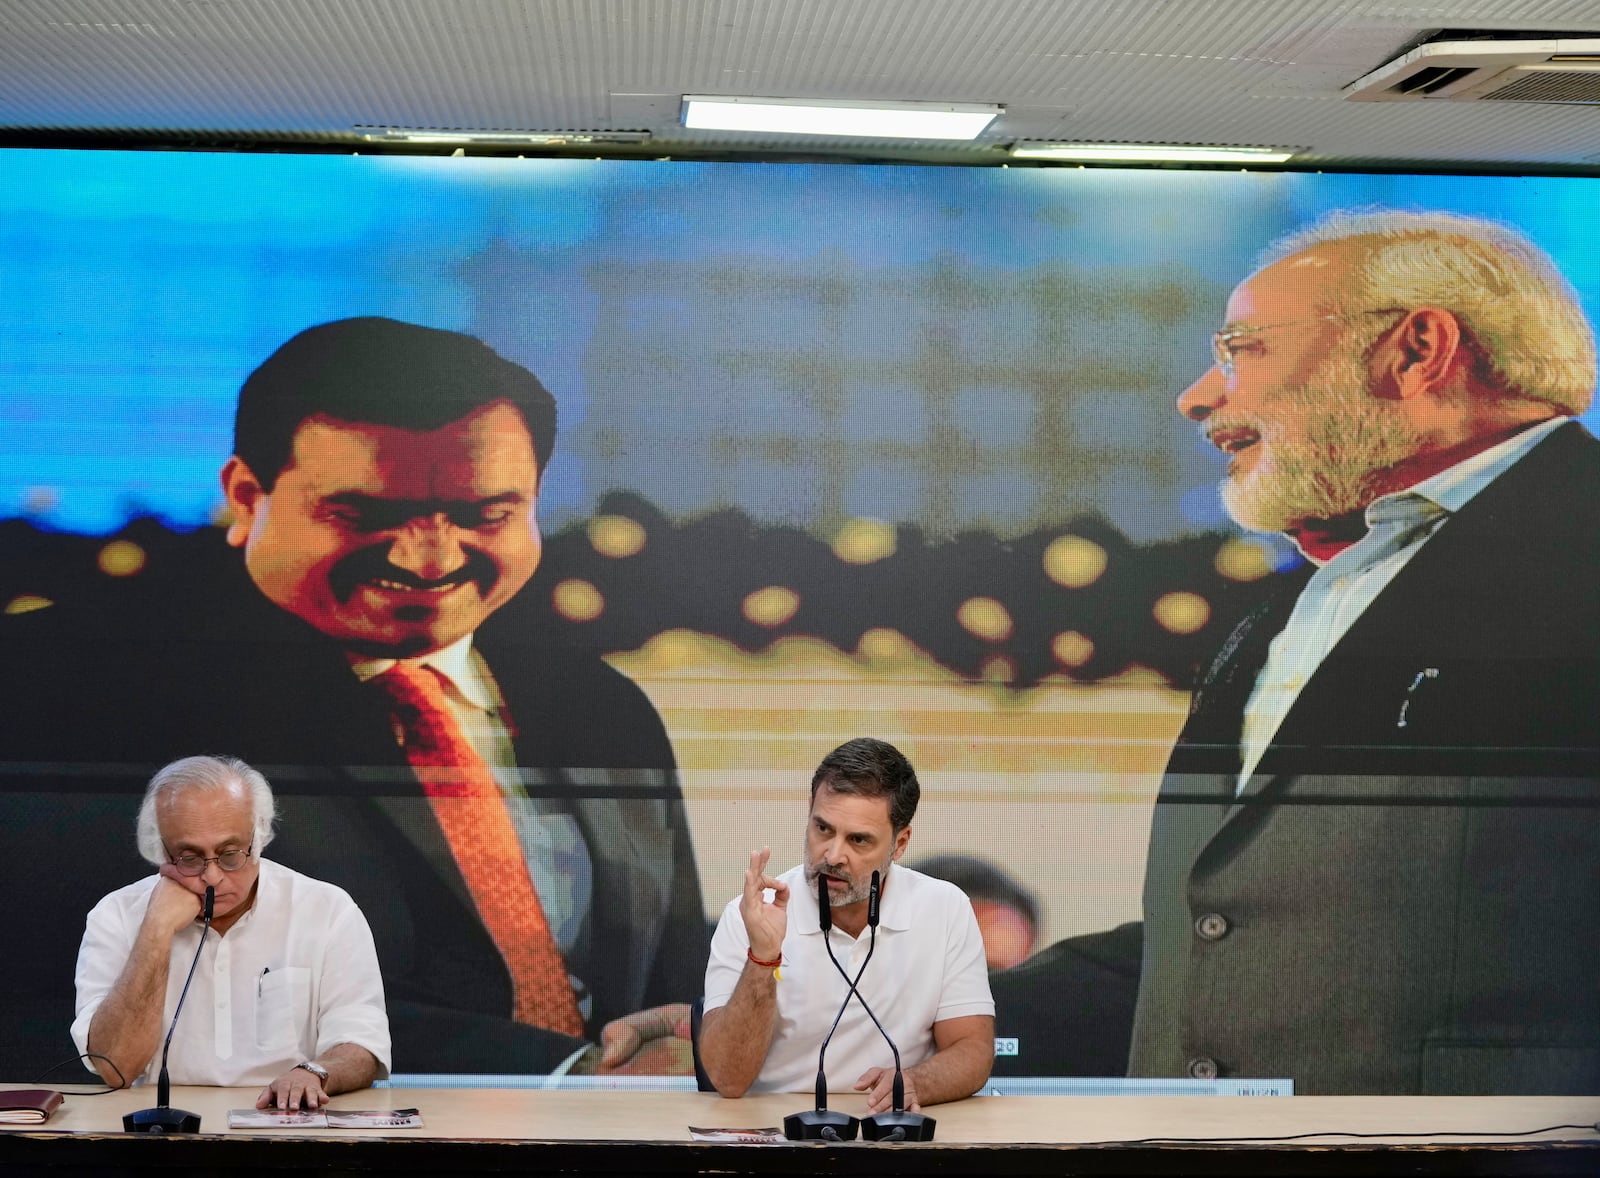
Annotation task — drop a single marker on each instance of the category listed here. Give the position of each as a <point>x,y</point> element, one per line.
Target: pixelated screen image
<point>840,451</point>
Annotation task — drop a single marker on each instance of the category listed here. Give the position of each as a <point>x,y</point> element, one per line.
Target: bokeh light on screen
<point>985,618</point>
<point>863,541</point>
<point>1072,648</point>
<point>771,606</point>
<point>1074,562</point>
<point>578,601</point>
<point>616,536</point>
<point>1245,558</point>
<point>1182,613</point>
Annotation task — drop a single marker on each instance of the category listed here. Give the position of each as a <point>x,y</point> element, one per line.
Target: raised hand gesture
<point>764,922</point>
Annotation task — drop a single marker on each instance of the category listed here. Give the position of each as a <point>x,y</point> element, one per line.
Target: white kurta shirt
<point>294,976</point>
<point>928,967</point>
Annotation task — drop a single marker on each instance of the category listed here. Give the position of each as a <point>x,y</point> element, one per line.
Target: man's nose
<point>429,547</point>
<point>213,874</point>
<point>1200,400</point>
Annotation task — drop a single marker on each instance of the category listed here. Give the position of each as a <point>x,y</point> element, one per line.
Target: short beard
<point>1349,443</point>
<point>857,891</point>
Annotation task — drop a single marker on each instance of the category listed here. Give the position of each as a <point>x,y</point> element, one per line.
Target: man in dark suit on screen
<point>1374,865</point>
<point>505,809</point>
<point>1375,862</point>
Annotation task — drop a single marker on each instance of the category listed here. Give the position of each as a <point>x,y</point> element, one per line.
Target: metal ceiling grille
<point>1581,87</point>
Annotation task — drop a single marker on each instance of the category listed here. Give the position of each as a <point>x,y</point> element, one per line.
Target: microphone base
<point>820,1125</point>
<point>897,1127</point>
<point>161,1120</point>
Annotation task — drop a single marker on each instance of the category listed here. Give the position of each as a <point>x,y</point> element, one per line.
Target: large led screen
<point>840,451</point>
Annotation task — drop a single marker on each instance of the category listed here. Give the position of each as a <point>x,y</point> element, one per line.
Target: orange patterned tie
<point>472,813</point>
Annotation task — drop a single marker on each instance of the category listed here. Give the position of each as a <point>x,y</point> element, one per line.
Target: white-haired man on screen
<point>1374,866</point>
<point>287,993</point>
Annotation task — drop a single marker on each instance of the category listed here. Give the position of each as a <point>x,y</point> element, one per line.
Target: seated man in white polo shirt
<point>771,992</point>
<point>287,992</point>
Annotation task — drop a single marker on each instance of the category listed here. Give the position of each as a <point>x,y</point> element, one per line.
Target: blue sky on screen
<point>805,342</point>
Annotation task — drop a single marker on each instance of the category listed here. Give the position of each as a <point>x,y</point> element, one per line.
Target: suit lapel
<point>1209,742</point>
<point>1457,601</point>
<point>1460,589</point>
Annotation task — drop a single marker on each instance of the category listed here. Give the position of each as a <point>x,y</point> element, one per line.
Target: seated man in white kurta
<point>287,992</point>
<point>771,992</point>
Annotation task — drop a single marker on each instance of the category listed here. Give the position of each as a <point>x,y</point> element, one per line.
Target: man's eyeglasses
<point>1225,351</point>
<point>190,864</point>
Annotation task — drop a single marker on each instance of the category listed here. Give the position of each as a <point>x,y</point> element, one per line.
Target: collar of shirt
<point>1339,592</point>
<point>457,662</point>
<point>1400,515</point>
<point>1454,487</point>
<point>892,910</point>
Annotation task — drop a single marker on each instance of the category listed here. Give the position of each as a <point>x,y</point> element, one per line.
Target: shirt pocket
<point>281,999</point>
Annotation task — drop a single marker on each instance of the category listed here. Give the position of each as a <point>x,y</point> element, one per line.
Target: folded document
<point>345,1118</point>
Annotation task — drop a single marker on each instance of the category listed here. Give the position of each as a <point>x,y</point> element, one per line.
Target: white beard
<point>1333,464</point>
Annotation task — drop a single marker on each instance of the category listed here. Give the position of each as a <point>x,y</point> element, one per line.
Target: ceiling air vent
<point>1563,70</point>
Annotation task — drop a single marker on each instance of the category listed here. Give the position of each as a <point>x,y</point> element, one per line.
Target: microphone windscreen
<point>872,900</point>
<point>824,908</point>
<point>211,902</point>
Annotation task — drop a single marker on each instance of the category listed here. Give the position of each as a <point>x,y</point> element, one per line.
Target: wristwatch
<point>316,1069</point>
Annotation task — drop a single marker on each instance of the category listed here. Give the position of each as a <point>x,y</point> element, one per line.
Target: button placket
<point>222,1005</point>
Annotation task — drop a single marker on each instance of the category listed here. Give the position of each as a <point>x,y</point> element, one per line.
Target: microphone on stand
<point>897,1124</point>
<point>163,1118</point>
<point>819,1124</point>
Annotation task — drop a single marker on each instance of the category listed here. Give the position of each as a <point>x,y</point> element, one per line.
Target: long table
<point>641,1132</point>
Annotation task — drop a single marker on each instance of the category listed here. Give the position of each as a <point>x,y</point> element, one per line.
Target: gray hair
<point>210,774</point>
<point>1519,314</point>
<point>869,768</point>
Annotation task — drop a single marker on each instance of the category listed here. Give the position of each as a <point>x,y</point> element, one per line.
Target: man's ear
<point>245,497</point>
<point>901,839</point>
<point>1419,355</point>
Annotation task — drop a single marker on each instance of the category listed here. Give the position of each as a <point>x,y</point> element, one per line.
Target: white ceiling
<point>303,73</point>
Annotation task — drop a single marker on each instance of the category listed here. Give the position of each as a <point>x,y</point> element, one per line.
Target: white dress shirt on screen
<point>1341,590</point>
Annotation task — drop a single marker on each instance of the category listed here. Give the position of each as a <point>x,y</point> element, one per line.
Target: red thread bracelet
<point>764,964</point>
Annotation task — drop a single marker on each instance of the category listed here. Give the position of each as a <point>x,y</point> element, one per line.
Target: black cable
<point>1474,1133</point>
<point>121,1083</point>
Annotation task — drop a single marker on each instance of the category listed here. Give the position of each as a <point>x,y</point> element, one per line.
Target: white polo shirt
<point>294,976</point>
<point>929,966</point>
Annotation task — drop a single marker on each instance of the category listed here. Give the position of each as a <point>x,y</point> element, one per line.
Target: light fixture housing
<point>1180,153</point>
<point>838,117</point>
<point>499,138</point>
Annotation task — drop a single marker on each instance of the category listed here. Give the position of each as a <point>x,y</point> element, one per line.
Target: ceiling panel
<point>1266,72</point>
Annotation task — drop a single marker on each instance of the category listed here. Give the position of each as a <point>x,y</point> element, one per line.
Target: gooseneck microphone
<point>818,1123</point>
<point>897,1124</point>
<point>163,1118</point>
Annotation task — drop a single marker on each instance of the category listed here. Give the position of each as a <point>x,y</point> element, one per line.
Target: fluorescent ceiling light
<point>1151,153</point>
<point>869,120</point>
<point>500,138</point>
